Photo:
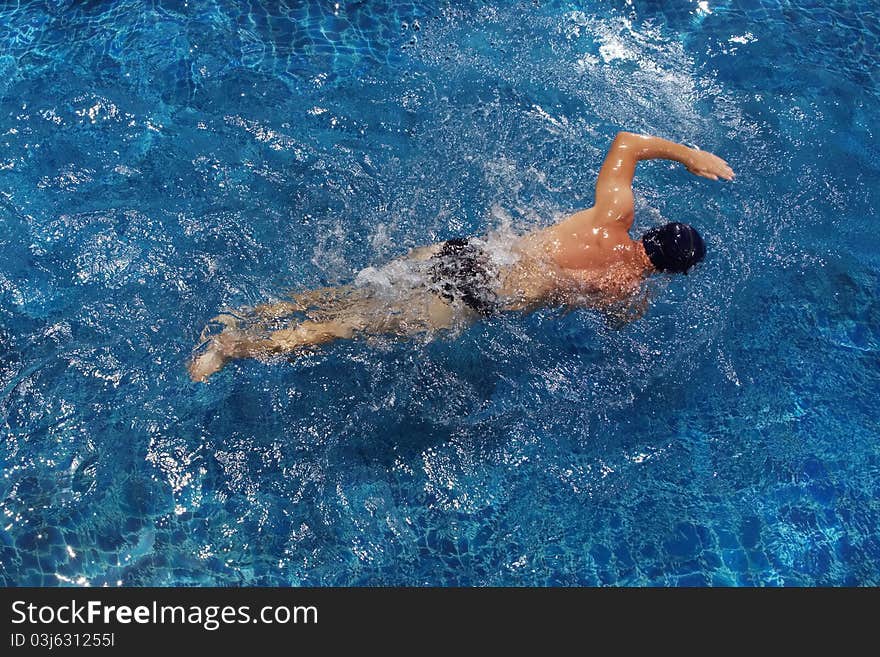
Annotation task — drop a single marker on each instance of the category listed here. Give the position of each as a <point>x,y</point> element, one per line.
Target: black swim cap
<point>674,247</point>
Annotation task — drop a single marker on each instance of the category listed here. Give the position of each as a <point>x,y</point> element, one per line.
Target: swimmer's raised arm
<point>614,198</point>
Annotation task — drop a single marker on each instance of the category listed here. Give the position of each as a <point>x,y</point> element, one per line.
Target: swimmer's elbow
<point>627,139</point>
<point>638,146</point>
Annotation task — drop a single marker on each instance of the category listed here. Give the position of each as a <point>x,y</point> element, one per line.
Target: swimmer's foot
<point>210,362</point>
<point>221,322</point>
<point>217,351</point>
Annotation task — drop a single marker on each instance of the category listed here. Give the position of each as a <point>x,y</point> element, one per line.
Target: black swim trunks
<point>463,271</point>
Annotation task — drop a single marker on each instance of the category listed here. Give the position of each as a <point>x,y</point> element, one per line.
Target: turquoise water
<point>160,160</point>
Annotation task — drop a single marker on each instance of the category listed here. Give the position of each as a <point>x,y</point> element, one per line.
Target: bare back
<point>578,261</point>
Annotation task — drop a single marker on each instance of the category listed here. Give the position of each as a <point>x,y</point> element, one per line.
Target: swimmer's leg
<point>306,334</point>
<point>324,297</point>
<point>233,344</point>
<point>364,316</point>
<point>367,318</point>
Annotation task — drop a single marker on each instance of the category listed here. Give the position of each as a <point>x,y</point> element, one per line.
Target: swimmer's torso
<point>575,261</point>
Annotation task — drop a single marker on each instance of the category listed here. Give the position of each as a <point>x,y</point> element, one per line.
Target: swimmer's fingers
<point>724,170</point>
<point>708,165</point>
<point>702,173</point>
<point>713,173</point>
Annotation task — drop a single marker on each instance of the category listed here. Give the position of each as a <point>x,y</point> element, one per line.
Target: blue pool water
<point>160,160</point>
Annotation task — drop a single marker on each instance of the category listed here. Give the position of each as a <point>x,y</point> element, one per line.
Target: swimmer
<point>586,260</point>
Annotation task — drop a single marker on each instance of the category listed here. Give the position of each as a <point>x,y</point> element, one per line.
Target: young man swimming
<point>588,259</point>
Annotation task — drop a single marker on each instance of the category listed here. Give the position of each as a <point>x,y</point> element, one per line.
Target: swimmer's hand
<point>704,163</point>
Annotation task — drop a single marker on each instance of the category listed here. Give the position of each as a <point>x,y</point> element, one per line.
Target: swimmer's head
<point>674,247</point>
